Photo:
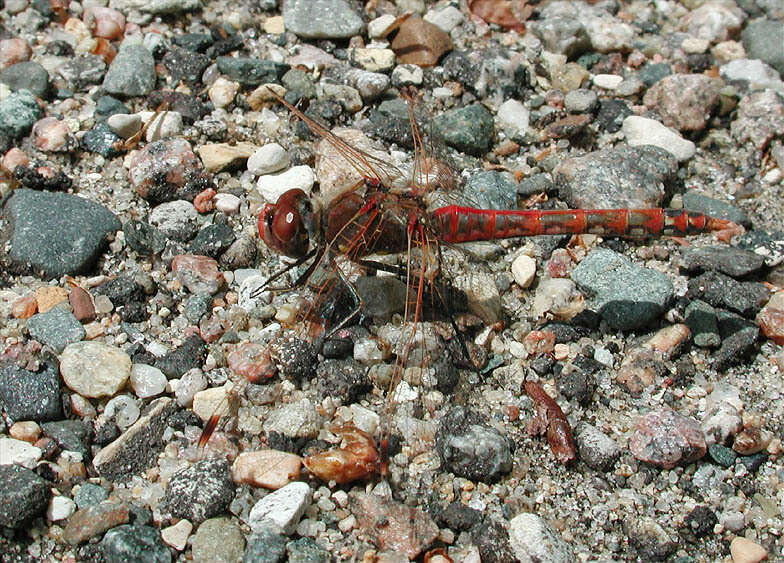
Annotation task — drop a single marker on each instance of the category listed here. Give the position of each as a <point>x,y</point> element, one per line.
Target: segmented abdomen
<point>463,224</point>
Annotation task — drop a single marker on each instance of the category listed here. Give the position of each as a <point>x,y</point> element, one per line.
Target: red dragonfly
<point>379,215</point>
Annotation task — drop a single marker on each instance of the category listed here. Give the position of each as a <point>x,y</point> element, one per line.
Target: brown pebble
<point>271,469</point>
<point>751,441</point>
<point>26,430</point>
<point>746,551</point>
<point>94,520</point>
<point>14,51</point>
<point>82,304</point>
<point>15,157</point>
<point>420,42</point>
<point>24,307</point>
<point>52,135</point>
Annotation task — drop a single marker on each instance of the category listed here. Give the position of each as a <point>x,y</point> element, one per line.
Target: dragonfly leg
<point>259,290</point>
<point>357,305</point>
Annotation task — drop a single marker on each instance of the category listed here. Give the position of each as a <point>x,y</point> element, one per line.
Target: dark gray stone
<point>250,71</point>
<point>596,449</point>
<point>132,72</point>
<point>491,190</point>
<point>627,296</point>
<point>59,234</point>
<point>701,319</point>
<point>735,262</point>
<point>27,75</point>
<point>30,396</point>
<point>200,491</point>
<point>471,448</point>
<point>719,209</point>
<point>187,356</point>
<point>18,113</point>
<point>23,495</point>
<point>90,494</point>
<point>82,71</point>
<point>213,240</point>
<point>141,544</point>
<point>763,40</point>
<point>56,328</point>
<point>470,129</point>
<point>72,435</point>
<point>745,298</point>
<point>265,546</point>
<point>102,140</point>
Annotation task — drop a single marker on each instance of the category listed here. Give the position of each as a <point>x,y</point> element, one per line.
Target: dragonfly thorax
<point>291,225</point>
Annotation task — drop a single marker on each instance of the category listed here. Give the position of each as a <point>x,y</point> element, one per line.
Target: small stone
<point>665,439</point>
<point>124,124</point>
<point>267,546</point>
<point>445,19</point>
<point>147,381</point>
<point>268,159</point>
<point>28,395</point>
<point>199,274</point>
<point>299,419</point>
<point>23,495</point>
<point>56,328</point>
<point>134,543</point>
<point>60,508</point>
<point>524,270</point>
<point>93,521</point>
<point>596,449</point>
<point>607,81</point>
<point>162,126</point>
<point>13,50</point>
<point>18,113</point>
<point>469,129</point>
<point>90,494</point>
<point>167,170</point>
<point>533,539</point>
<point>420,42</point>
<point>132,72</point>
<point>250,71</point>
<point>228,204</point>
<point>513,118</point>
<point>684,101</point>
<point>222,92</point>
<point>104,22</point>
<point>374,60</point>
<point>219,156</point>
<point>407,75</point>
<point>722,455</point>
<point>744,550</point>
<point>272,186</point>
<point>645,131</point>
<point>282,508</point>
<point>53,135</point>
<point>200,491</point>
<point>177,535</point>
<point>17,452</point>
<point>321,19</point>
<point>581,100</point>
<point>771,318</point>
<point>122,410</point>
<point>26,430</point>
<point>94,369</point>
<point>274,25</point>
<point>270,469</point>
<point>27,75</point>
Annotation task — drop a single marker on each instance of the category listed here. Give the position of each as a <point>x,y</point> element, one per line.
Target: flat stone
<point>271,469</point>
<point>665,439</point>
<point>321,19</point>
<point>94,369</point>
<point>94,520</point>
<point>219,156</point>
<point>200,491</point>
<point>132,72</point>
<point>57,328</point>
<point>218,540</point>
<point>645,131</point>
<point>18,452</point>
<point>282,509</point>
<point>23,495</point>
<point>138,447</point>
<point>28,395</point>
<point>57,233</point>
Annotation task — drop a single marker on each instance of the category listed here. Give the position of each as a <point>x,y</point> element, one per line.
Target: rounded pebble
<point>94,369</point>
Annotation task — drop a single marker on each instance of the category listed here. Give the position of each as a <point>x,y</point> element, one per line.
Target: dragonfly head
<point>289,225</point>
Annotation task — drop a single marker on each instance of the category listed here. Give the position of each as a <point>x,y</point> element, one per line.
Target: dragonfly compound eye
<point>281,225</point>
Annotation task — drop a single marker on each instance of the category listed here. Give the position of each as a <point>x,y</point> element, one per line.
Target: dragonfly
<point>389,212</point>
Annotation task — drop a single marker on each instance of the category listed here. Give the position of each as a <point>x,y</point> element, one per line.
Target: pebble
<point>270,469</point>
<point>713,21</point>
<point>219,156</point>
<point>199,274</point>
<point>17,452</point>
<point>665,439</point>
<point>176,219</point>
<point>761,41</point>
<point>266,546</point>
<point>167,170</point>
<point>134,543</point>
<point>56,328</point>
<point>771,318</point>
<point>272,186</point>
<point>137,447</point>
<point>27,431</point>
<point>372,59</point>
<point>60,508</point>
<point>760,116</point>
<point>268,159</point>
<point>469,129</point>
<point>524,270</point>
<point>200,491</point>
<point>94,369</point>
<point>23,495</point>
<point>188,386</point>
<point>53,135</point>
<point>147,381</point>
<point>370,85</point>
<point>626,295</point>
<point>596,449</point>
<point>13,50</point>
<point>321,19</point>
<point>745,298</point>
<point>122,410</point>
<point>407,75</point>
<point>744,550</point>
<point>684,101</point>
<point>581,100</point>
<point>104,22</point>
<point>90,494</point>
<point>618,177</point>
<point>513,118</point>
<point>752,73</point>
<point>408,530</point>
<point>28,395</point>
<point>162,126</point>
<point>222,92</point>
<point>177,534</point>
<point>94,520</point>
<point>644,131</point>
<point>607,81</point>
<point>131,73</point>
<point>490,189</point>
<point>649,539</point>
<point>27,75</point>
<point>734,262</point>
<point>58,233</point>
<point>470,448</point>
<point>250,71</point>
<point>702,321</point>
<point>446,18</point>
<point>282,508</point>
<point>296,420</point>
<point>219,540</point>
<point>533,539</point>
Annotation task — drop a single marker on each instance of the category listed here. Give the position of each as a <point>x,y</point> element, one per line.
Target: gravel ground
<point>130,256</point>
